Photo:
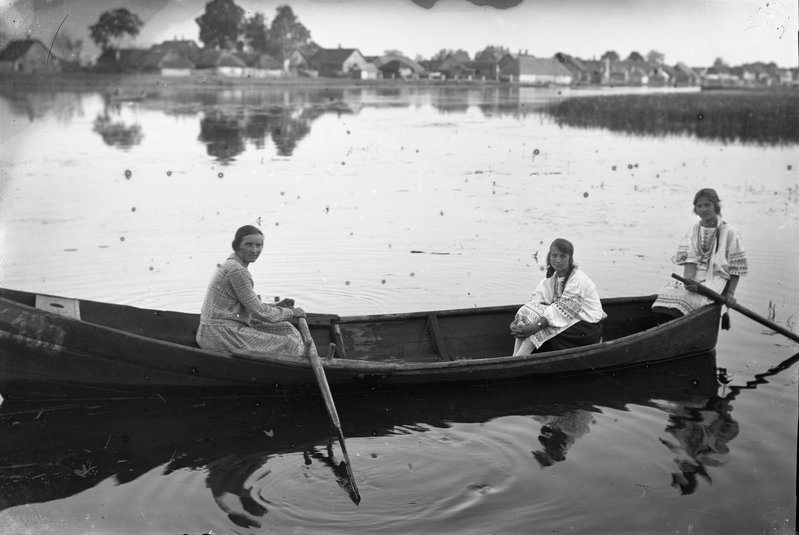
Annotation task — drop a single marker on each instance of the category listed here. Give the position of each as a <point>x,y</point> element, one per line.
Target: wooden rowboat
<point>56,347</point>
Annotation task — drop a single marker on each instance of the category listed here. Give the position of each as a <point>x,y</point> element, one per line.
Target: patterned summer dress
<point>235,319</point>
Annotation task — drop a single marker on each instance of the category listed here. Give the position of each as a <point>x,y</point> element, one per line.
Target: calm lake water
<point>389,200</point>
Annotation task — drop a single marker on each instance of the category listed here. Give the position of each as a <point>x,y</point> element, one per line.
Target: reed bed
<point>766,117</point>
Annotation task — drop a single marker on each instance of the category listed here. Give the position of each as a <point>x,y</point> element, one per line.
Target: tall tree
<point>221,24</point>
<point>445,52</point>
<point>612,55</point>
<point>68,48</point>
<point>492,53</point>
<point>658,58</point>
<point>256,34</point>
<point>113,25</point>
<point>287,34</point>
<point>635,56</point>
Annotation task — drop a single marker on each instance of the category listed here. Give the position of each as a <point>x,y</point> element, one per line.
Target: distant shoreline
<point>148,83</point>
<point>152,82</point>
<point>97,81</point>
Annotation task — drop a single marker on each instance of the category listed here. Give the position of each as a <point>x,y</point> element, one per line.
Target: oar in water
<point>704,290</point>
<point>321,379</point>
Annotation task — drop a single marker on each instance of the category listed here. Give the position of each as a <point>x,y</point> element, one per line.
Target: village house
<point>342,63</point>
<point>625,73</point>
<point>221,62</point>
<point>683,75</point>
<point>660,75</point>
<point>584,72</point>
<point>483,69</point>
<point>527,69</point>
<point>453,67</point>
<point>786,77</point>
<point>175,64</point>
<point>720,76</point>
<point>264,66</point>
<point>296,62</point>
<point>181,54</point>
<point>28,56</point>
<point>397,67</point>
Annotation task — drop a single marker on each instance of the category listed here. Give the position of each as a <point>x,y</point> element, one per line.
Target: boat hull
<point>117,351</point>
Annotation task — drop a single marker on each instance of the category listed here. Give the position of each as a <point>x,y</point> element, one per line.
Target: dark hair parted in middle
<point>246,230</point>
<point>564,246</point>
<point>711,195</point>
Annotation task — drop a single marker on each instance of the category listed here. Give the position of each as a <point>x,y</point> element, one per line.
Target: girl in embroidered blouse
<point>711,253</point>
<point>233,317</point>
<point>564,311</point>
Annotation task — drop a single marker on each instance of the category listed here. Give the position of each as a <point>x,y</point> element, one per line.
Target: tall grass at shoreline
<point>767,117</point>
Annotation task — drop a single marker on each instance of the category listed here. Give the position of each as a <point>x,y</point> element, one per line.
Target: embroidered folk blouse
<point>563,307</point>
<point>720,255</point>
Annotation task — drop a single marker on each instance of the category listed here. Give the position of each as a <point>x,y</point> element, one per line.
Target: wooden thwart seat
<point>439,344</point>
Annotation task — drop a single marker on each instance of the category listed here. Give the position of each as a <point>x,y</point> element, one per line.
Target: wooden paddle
<point>321,379</point>
<point>704,290</point>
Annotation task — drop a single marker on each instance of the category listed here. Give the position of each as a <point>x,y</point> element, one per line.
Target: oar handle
<point>704,290</point>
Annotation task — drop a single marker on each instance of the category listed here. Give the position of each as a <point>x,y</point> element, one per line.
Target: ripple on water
<point>435,478</point>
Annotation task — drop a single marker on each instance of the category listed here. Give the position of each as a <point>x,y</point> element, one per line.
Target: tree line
<point>225,26</point>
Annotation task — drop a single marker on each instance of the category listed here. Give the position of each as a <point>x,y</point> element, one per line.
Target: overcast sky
<point>694,31</point>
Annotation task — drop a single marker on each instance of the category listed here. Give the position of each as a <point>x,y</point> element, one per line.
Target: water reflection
<point>222,135</point>
<point>117,133</point>
<point>559,434</point>
<point>230,118</point>
<point>38,105</point>
<point>702,435</point>
<point>54,451</point>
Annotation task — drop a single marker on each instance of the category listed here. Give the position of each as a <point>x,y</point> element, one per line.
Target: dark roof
<point>186,48</point>
<point>333,56</point>
<point>175,60</point>
<point>16,49</point>
<point>265,61</point>
<point>258,60</point>
<point>534,65</point>
<point>385,61</point>
<point>220,58</point>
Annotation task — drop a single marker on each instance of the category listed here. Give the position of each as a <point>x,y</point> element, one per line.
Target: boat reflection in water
<point>56,450</point>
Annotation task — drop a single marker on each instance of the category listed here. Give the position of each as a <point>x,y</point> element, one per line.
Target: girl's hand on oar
<point>692,286</point>
<point>731,301</point>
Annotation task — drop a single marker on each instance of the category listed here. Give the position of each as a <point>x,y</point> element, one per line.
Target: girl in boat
<point>711,253</point>
<point>564,311</point>
<point>234,318</point>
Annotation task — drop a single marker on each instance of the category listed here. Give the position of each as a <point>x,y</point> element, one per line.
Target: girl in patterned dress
<point>564,311</point>
<point>711,253</point>
<point>234,318</point>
